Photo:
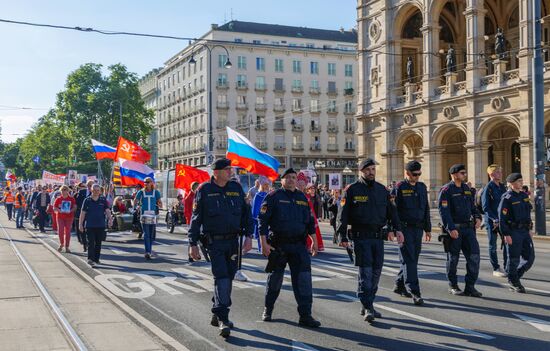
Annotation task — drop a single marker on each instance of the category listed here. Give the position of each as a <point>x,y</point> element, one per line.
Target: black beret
<point>513,177</point>
<point>288,171</point>
<point>413,166</point>
<point>456,168</point>
<point>221,164</point>
<point>366,163</point>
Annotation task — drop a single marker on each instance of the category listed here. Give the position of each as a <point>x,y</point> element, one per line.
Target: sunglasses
<point>417,174</point>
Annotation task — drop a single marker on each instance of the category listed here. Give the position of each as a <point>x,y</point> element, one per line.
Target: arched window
<point>516,157</point>
<point>411,29</point>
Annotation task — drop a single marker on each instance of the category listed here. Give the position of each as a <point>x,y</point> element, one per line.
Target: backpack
<point>479,194</point>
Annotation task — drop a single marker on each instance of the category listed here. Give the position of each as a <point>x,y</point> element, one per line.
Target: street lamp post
<point>227,64</point>
<point>119,113</point>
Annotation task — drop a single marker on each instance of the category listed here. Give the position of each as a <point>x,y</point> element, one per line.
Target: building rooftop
<point>289,31</point>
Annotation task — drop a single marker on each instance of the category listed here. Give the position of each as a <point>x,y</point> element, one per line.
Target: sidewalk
<point>28,321</point>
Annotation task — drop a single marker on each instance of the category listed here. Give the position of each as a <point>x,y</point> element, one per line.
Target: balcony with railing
<point>297,89</point>
<point>349,129</point>
<point>261,106</point>
<point>261,126</point>
<point>332,110</point>
<point>279,125</point>
<point>314,91</point>
<point>332,128</point>
<point>242,124</point>
<point>349,147</point>
<point>349,111</point>
<point>222,105</point>
<point>240,85</point>
<point>279,108</point>
<point>279,146</point>
<point>332,92</point>
<point>314,128</point>
<point>260,87</point>
<point>262,145</point>
<point>297,127</point>
<point>297,109</point>
<point>222,85</point>
<point>315,146</point>
<point>332,147</point>
<point>221,145</point>
<point>314,110</point>
<point>242,106</point>
<point>297,146</point>
<point>221,124</point>
<point>348,92</point>
<point>279,89</point>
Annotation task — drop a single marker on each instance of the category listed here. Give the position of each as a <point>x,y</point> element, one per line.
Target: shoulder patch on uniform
<point>343,201</point>
<point>444,203</point>
<point>263,209</point>
<point>505,211</point>
<point>507,196</point>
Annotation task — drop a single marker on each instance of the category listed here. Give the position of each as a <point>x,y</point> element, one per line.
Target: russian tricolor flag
<point>133,173</point>
<point>103,151</point>
<point>244,154</point>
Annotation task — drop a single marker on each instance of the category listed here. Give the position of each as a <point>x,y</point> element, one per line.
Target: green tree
<point>61,138</point>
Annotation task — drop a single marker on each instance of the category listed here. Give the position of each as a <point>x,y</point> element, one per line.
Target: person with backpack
<point>490,197</point>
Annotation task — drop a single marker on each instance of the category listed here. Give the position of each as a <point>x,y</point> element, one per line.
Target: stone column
<point>500,68</point>
<point>525,21</point>
<point>451,78</point>
<point>430,63</point>
<point>410,88</point>
<point>475,42</point>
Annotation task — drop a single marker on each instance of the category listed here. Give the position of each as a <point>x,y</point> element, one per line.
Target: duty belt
<point>222,236</point>
<point>419,225</point>
<point>465,225</point>
<point>520,225</point>
<point>285,238</point>
<point>355,235</point>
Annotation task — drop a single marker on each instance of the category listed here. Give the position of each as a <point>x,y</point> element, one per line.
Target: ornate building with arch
<point>477,114</point>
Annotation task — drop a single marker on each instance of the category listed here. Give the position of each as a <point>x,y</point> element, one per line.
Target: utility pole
<point>539,146</point>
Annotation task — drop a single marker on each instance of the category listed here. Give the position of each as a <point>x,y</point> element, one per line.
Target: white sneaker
<point>499,273</point>
<point>240,276</point>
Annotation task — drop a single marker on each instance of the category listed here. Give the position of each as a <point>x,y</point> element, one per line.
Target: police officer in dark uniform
<point>219,210</point>
<point>460,219</point>
<point>514,214</point>
<point>490,199</point>
<point>366,205</point>
<point>285,221</point>
<point>411,200</point>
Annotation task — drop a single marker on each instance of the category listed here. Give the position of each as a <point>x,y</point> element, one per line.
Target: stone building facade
<point>476,115</point>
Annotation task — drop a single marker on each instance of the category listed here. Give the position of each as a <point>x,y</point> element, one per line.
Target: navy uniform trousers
<point>223,256</point>
<point>409,253</point>
<point>522,248</point>
<point>369,256</point>
<point>467,243</point>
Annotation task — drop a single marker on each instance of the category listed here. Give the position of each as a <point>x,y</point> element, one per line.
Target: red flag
<point>185,175</point>
<point>131,151</point>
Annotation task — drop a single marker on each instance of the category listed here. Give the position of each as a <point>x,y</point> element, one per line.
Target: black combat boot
<point>455,290</point>
<point>417,299</point>
<point>401,290</point>
<point>215,322</point>
<point>309,321</point>
<point>266,315</point>
<point>471,291</point>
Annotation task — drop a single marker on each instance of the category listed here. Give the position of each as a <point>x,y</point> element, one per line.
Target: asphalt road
<point>176,296</point>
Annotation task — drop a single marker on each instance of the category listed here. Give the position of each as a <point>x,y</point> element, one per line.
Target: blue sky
<point>34,62</point>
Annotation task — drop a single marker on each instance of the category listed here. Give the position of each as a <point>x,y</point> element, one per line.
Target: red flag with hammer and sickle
<point>185,175</point>
<point>131,151</point>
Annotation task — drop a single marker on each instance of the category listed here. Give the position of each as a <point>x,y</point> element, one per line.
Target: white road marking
<point>424,319</point>
<point>540,324</point>
<point>298,346</point>
<point>116,251</point>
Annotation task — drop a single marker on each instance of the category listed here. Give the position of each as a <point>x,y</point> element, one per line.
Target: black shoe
<point>401,290</point>
<point>517,288</point>
<point>376,313</point>
<point>472,292</point>
<point>309,321</point>
<point>215,322</point>
<point>224,328</point>
<point>85,248</point>
<point>417,300</point>
<point>455,290</point>
<point>370,315</point>
<point>362,311</point>
<point>266,315</point>
<point>191,260</point>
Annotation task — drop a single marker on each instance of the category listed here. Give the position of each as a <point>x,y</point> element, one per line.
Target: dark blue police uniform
<point>457,209</point>
<point>222,215</point>
<point>285,217</point>
<point>367,207</point>
<point>514,214</point>
<point>490,199</point>
<point>414,213</point>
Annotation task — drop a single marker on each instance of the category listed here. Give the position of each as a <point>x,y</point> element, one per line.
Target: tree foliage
<point>61,138</point>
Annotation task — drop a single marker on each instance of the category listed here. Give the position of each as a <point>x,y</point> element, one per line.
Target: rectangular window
<point>241,80</point>
<point>349,70</point>
<point>332,106</point>
<point>331,69</point>
<point>314,67</point>
<point>314,105</point>
<point>332,87</point>
<point>315,84</point>
<point>279,85</point>
<point>348,85</point>
<point>256,42</point>
<point>222,59</point>
<point>279,65</point>
<point>260,64</point>
<point>241,62</point>
<point>296,104</point>
<point>200,63</point>
<point>297,66</point>
<point>260,82</point>
<point>296,84</point>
